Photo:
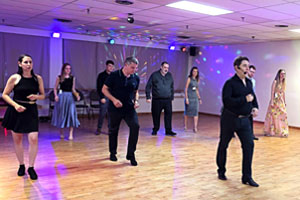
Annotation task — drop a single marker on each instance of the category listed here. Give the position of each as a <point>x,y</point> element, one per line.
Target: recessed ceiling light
<point>295,30</point>
<point>200,8</point>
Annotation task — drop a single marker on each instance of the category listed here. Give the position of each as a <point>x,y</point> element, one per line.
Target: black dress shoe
<point>255,138</point>
<point>171,133</point>
<point>98,131</point>
<point>250,182</point>
<point>113,157</point>
<point>154,132</point>
<point>132,160</point>
<point>222,177</point>
<point>21,171</point>
<point>32,173</point>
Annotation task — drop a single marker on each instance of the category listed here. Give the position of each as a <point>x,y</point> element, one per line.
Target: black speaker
<point>193,51</point>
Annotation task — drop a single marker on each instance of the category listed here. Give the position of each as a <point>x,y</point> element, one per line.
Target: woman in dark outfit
<point>64,114</point>
<point>21,116</point>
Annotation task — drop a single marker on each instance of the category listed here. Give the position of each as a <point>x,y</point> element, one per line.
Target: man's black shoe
<point>132,160</point>
<point>154,132</point>
<point>113,157</point>
<point>250,182</point>
<point>222,177</point>
<point>171,133</point>
<point>255,138</point>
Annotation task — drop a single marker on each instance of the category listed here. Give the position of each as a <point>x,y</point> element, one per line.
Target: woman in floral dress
<point>276,119</point>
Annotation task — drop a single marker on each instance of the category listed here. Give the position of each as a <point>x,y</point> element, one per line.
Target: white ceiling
<point>251,21</point>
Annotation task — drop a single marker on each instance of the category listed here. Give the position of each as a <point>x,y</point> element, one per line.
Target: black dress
<point>27,121</point>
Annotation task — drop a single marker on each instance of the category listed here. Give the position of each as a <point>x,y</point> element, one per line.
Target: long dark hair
<point>62,73</point>
<point>20,70</point>
<point>191,73</point>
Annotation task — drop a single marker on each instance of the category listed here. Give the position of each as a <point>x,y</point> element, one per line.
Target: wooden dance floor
<point>181,167</point>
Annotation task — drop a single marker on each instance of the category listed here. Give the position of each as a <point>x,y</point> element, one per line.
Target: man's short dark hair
<point>252,67</point>
<point>110,62</point>
<point>130,60</point>
<point>239,60</point>
<point>164,62</point>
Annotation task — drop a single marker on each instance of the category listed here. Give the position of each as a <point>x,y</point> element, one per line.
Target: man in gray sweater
<point>161,85</point>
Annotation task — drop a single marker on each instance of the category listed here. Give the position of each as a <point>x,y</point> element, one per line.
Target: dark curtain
<point>13,45</point>
<point>88,60</point>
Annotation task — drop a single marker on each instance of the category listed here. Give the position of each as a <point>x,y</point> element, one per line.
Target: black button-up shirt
<point>234,96</point>
<point>122,88</point>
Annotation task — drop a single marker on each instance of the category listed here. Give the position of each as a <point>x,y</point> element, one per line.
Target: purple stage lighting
<point>56,35</point>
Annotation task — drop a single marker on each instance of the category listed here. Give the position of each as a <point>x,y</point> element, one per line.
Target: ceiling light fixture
<point>130,18</point>
<point>56,35</point>
<point>111,41</point>
<point>172,47</point>
<point>199,8</point>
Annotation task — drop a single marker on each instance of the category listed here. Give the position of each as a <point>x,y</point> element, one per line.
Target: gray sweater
<point>162,86</point>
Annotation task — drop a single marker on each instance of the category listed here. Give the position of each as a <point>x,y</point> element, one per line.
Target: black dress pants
<point>131,120</point>
<point>157,106</point>
<point>242,126</point>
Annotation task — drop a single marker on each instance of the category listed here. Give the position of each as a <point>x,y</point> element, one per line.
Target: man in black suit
<point>239,103</point>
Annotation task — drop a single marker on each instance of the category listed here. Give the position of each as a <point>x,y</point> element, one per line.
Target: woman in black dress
<point>21,116</point>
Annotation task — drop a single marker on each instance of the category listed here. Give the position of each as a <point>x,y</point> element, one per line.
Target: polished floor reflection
<point>181,167</point>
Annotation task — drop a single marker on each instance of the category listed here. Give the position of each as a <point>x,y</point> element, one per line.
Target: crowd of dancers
<point>119,98</point>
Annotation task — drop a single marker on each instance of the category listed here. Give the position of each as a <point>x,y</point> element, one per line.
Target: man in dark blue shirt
<point>103,100</point>
<point>121,88</point>
<point>161,85</point>
<point>239,104</point>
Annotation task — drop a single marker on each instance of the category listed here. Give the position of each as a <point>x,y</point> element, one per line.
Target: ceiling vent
<point>183,37</point>
<point>281,26</point>
<point>124,2</point>
<point>63,20</point>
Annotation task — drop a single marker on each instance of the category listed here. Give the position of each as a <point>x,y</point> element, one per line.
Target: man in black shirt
<point>239,103</point>
<point>161,85</point>
<point>121,88</point>
<point>103,99</point>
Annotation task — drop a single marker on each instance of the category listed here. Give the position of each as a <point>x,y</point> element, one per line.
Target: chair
<point>94,101</point>
<point>51,104</point>
<point>81,104</point>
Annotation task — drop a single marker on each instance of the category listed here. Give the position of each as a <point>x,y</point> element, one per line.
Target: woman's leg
<point>33,147</point>
<point>185,122</point>
<point>195,124</point>
<point>71,133</point>
<point>18,142</point>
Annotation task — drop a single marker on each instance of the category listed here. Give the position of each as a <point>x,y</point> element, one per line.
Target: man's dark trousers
<point>131,119</point>
<point>157,106</point>
<point>242,126</point>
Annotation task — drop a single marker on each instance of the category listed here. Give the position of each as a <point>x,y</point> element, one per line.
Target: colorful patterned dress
<point>276,118</point>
